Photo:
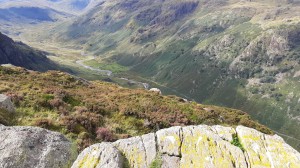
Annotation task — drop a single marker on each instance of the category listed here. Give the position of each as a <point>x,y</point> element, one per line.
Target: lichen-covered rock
<point>267,151</point>
<point>169,141</point>
<point>170,161</point>
<point>150,147</point>
<point>204,146</point>
<point>224,132</point>
<point>139,151</point>
<point>103,155</point>
<point>6,103</point>
<point>31,147</point>
<point>134,151</point>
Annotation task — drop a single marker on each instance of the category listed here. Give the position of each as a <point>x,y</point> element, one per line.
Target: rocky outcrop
<point>155,90</point>
<point>194,146</point>
<point>32,147</point>
<point>6,103</point>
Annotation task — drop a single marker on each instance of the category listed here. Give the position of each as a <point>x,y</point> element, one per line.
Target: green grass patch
<point>48,97</point>
<point>236,142</point>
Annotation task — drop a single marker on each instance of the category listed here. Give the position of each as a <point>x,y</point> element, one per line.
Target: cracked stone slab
<point>150,147</point>
<point>224,132</point>
<point>281,154</point>
<point>103,155</point>
<point>140,151</point>
<point>253,142</point>
<point>169,141</point>
<point>267,150</point>
<point>170,161</point>
<point>202,147</point>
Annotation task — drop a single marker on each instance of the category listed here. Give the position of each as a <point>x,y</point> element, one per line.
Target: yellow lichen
<point>88,161</point>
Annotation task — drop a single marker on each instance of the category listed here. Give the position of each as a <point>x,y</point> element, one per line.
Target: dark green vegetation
<point>236,142</point>
<point>240,54</point>
<point>89,112</point>
<point>19,54</point>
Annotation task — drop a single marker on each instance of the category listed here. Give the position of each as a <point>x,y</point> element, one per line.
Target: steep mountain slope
<point>242,54</point>
<point>89,112</point>
<point>19,54</point>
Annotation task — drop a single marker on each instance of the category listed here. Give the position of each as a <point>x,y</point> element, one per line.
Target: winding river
<point>107,72</point>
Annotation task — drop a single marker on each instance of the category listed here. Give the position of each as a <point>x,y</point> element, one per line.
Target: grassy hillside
<point>89,112</point>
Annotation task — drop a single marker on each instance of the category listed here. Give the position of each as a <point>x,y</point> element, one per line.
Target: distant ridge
<point>20,54</point>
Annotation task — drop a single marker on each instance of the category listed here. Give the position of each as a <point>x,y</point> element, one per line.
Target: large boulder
<point>155,90</point>
<point>197,146</point>
<point>31,147</point>
<point>6,103</point>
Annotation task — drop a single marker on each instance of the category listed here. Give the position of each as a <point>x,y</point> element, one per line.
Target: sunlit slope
<point>238,54</point>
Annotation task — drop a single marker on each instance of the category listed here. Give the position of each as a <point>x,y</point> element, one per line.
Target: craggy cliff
<point>193,146</point>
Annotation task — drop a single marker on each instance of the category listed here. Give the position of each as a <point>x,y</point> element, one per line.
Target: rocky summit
<point>193,146</point>
<point>28,147</point>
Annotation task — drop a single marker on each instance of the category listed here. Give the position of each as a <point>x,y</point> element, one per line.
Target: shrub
<point>89,122</point>
<point>80,109</point>
<point>84,143</point>
<point>71,100</point>
<point>43,122</point>
<point>16,98</point>
<point>56,103</point>
<point>104,134</point>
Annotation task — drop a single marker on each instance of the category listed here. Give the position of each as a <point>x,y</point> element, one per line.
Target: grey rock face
<point>169,141</point>
<point>134,151</point>
<point>6,103</point>
<point>139,151</point>
<point>170,161</point>
<point>31,147</point>
<point>201,146</point>
<point>266,150</point>
<point>150,147</point>
<point>106,153</point>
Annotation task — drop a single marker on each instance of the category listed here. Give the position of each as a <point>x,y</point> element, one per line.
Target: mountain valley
<point>242,54</point>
